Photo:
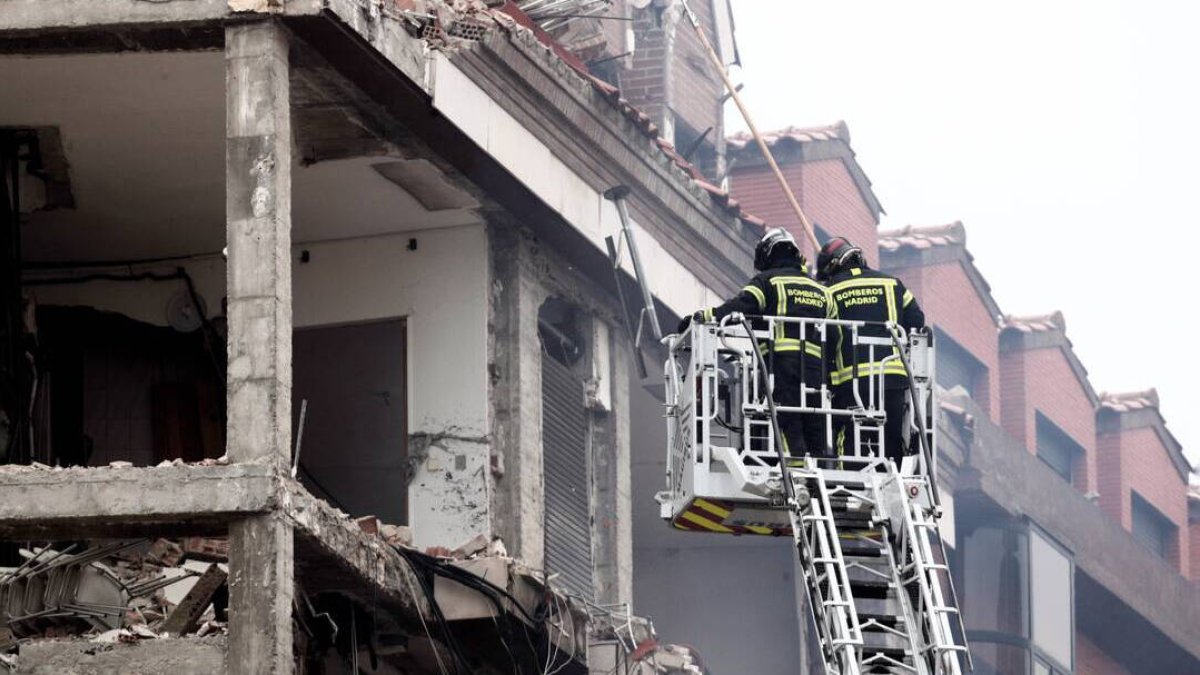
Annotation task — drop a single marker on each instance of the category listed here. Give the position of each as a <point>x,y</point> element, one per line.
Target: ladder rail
<point>908,612</point>
<point>932,608</point>
<point>834,611</point>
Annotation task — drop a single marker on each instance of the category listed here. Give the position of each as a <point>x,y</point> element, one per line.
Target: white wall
<point>521,151</point>
<point>442,288</point>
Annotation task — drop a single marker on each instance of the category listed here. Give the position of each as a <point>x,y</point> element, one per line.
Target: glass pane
<point>1152,528</point>
<point>956,367</point>
<point>1051,599</point>
<point>999,659</point>
<point>1040,668</point>
<point>995,580</point>
<point>1055,448</point>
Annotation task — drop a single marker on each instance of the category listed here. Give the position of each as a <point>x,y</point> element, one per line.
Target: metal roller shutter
<point>568,529</point>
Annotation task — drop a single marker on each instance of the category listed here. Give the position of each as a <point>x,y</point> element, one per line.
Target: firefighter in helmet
<point>783,287</point>
<point>859,293</point>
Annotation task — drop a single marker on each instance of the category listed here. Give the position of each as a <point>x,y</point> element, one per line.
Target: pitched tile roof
<point>923,237</point>
<point>791,144</point>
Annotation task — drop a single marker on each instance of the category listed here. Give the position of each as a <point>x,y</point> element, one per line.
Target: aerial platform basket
<point>723,471</point>
<point>878,582</point>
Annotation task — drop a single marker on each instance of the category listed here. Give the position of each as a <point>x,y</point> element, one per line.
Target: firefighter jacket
<point>782,291</point>
<point>864,294</point>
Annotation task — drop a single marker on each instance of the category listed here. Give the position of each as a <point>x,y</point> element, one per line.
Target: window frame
<point>1075,450</point>
<point>979,370</point>
<point>1035,651</point>
<point>1139,503</point>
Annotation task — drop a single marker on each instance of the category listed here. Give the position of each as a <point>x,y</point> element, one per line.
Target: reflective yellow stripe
<point>782,345</point>
<point>867,370</point>
<point>908,297</point>
<point>702,522</point>
<point>889,291</point>
<point>708,315</point>
<point>855,272</point>
<point>758,295</point>
<point>712,508</point>
<point>759,529</point>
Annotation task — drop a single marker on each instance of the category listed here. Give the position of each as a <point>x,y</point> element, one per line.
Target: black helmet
<point>836,254</point>
<point>775,242</point>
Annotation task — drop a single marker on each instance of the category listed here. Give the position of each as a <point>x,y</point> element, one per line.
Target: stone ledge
<point>105,502</point>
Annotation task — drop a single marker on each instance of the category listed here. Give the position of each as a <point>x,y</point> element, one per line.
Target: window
<point>956,367</point>
<point>1052,601</point>
<point>1056,448</point>
<point>1152,528</point>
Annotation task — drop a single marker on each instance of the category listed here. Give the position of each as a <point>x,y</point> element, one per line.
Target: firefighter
<point>859,293</point>
<point>783,287</point>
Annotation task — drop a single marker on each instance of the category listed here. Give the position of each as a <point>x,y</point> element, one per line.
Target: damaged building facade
<point>329,279</point>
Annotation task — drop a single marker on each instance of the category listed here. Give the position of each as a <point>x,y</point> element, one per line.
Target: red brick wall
<point>1146,469</point>
<point>951,303</point>
<point>642,85</point>
<point>826,192</point>
<point>1013,398</point>
<point>698,87</point>
<point>1110,479</point>
<point>1042,380</point>
<point>1194,539</point>
<point>1090,659</point>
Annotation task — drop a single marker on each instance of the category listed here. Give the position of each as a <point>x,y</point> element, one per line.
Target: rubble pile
<point>116,592</point>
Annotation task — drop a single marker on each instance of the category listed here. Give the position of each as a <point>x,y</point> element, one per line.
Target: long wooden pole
<point>762,145</point>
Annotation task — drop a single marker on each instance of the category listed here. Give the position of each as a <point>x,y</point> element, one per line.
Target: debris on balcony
<point>114,592</point>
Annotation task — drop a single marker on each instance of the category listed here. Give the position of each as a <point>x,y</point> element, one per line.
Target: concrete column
<point>518,510</point>
<point>258,160</point>
<point>611,466</point>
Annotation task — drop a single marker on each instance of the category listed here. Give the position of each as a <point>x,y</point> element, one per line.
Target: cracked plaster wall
<point>441,287</point>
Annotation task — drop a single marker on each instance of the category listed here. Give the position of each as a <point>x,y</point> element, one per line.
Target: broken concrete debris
<point>112,592</point>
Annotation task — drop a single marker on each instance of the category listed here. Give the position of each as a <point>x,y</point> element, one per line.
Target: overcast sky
<point>1065,135</point>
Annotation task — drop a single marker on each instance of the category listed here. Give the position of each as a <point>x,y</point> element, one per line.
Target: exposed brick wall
<point>1090,659</point>
<point>1042,380</point>
<point>697,86</point>
<point>825,190</point>
<point>951,303</point>
<point>1145,467</point>
<point>642,84</point>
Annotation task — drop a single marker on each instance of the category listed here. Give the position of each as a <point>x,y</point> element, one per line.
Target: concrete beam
<point>334,554</point>
<point>40,15</point>
<point>111,502</point>
<point>258,162</point>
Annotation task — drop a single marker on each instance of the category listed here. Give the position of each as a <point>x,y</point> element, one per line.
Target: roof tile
<point>1034,324</point>
<point>1129,401</point>
<point>912,236</point>
<point>830,132</point>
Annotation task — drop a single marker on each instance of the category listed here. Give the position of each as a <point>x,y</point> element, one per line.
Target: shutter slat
<point>568,522</point>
